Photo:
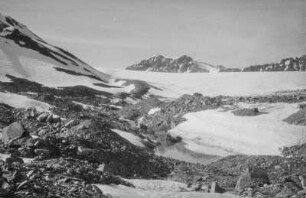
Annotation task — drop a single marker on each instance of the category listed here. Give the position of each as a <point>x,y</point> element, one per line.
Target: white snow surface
<point>19,101</point>
<point>129,137</point>
<point>85,106</point>
<point>174,85</point>
<point>219,132</point>
<point>154,110</point>
<point>156,189</point>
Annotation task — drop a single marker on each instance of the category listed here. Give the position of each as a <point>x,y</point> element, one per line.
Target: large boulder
<point>251,178</point>
<point>215,188</point>
<point>12,132</point>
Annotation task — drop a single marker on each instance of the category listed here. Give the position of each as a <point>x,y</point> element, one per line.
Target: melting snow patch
<point>221,133</point>
<point>19,101</point>
<point>156,189</point>
<point>129,88</point>
<point>129,137</point>
<point>85,106</point>
<point>154,110</point>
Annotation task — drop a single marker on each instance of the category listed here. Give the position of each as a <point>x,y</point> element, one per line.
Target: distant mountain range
<point>185,64</point>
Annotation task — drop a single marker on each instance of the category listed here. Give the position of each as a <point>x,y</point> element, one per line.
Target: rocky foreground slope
<point>64,151</point>
<point>187,64</point>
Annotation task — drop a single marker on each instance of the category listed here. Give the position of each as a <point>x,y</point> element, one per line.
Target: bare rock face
<point>12,132</point>
<point>298,118</point>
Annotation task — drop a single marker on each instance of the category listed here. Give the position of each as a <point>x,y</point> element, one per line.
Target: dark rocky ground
<point>73,147</point>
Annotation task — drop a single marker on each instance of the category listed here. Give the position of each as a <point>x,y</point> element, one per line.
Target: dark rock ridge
<point>185,64</point>
<point>287,64</point>
<point>298,118</point>
<point>179,65</point>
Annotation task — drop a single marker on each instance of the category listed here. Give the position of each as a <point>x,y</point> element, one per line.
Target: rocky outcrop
<point>298,118</point>
<point>185,64</point>
<point>288,64</point>
<point>171,113</point>
<point>246,112</point>
<point>179,65</point>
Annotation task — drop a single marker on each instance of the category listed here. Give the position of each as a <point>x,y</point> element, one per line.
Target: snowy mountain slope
<point>174,65</point>
<point>25,55</point>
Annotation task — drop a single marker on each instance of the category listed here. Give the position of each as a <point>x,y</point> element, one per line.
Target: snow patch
<point>129,137</point>
<point>216,132</point>
<point>85,106</point>
<point>154,110</point>
<point>156,189</point>
<point>19,101</point>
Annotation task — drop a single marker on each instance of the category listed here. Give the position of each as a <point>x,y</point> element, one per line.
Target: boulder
<point>12,132</point>
<point>215,188</point>
<point>56,118</point>
<point>42,132</point>
<point>44,153</point>
<point>71,123</point>
<point>246,112</point>
<point>251,178</point>
<point>302,105</point>
<point>42,117</point>
<point>85,151</point>
<point>49,118</point>
<point>33,113</point>
<point>303,181</point>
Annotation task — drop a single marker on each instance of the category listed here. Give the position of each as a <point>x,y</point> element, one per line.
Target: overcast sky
<point>118,33</point>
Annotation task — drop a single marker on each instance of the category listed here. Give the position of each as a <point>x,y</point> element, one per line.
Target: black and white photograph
<point>152,98</point>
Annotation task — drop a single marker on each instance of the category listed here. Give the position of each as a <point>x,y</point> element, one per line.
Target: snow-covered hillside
<point>212,84</point>
<point>25,55</point>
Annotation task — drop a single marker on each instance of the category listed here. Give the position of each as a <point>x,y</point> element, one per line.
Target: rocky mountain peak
<point>184,58</point>
<point>181,64</point>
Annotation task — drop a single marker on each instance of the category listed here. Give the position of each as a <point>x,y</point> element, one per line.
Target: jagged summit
<point>286,64</point>
<point>181,64</point>
<point>185,64</point>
